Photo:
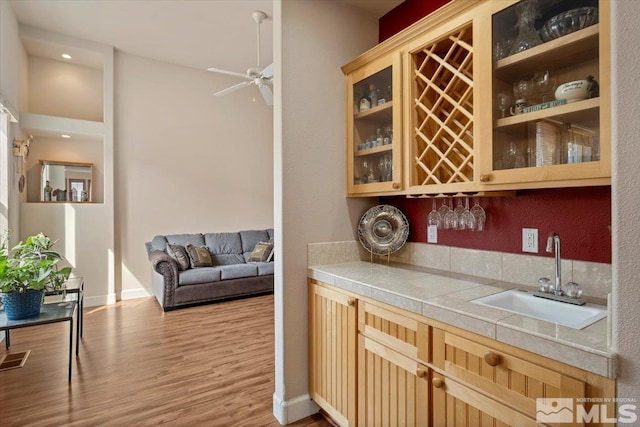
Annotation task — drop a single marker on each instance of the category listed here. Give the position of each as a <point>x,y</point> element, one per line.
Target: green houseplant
<point>25,271</point>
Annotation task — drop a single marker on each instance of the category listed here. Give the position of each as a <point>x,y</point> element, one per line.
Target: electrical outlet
<point>530,240</point>
<point>432,234</point>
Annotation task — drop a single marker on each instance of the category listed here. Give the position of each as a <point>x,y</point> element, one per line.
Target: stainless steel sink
<point>524,303</point>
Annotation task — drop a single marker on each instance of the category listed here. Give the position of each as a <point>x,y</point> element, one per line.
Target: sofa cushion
<point>179,253</point>
<point>261,253</point>
<point>185,239</point>
<point>264,268</point>
<point>237,271</point>
<point>199,256</point>
<point>250,238</point>
<point>199,275</point>
<point>225,248</point>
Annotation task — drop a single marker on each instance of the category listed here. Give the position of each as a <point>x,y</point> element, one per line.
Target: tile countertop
<point>445,296</point>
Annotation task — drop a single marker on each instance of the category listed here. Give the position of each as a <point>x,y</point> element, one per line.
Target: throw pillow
<point>179,253</point>
<point>262,252</point>
<point>199,256</point>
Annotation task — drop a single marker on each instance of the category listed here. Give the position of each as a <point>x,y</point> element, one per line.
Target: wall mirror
<point>65,181</point>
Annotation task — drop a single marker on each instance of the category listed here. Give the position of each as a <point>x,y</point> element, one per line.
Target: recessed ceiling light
<point>66,136</point>
<point>66,56</point>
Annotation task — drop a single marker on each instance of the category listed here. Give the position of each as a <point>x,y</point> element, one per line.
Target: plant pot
<point>22,305</point>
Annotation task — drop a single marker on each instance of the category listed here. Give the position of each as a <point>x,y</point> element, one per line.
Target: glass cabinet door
<point>550,89</point>
<point>374,127</point>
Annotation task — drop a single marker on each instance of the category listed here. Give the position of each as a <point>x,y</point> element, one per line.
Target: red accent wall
<point>404,15</point>
<point>581,216</point>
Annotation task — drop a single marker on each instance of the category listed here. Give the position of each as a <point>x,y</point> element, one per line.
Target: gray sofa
<point>232,275</point>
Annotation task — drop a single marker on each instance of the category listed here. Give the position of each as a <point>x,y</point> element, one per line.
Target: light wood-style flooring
<point>210,365</point>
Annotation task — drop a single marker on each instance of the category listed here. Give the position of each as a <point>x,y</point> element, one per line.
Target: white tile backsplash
<point>595,278</point>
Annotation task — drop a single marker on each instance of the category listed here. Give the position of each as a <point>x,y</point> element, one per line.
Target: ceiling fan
<point>254,76</point>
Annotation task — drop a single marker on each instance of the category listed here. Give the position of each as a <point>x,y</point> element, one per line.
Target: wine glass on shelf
<point>503,99</point>
<point>522,90</point>
<point>434,217</point>
<point>544,83</point>
<point>481,217</point>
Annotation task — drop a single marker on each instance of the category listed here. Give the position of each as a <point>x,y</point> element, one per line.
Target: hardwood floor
<point>211,365</point>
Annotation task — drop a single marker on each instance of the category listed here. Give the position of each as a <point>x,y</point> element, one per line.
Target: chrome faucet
<point>553,245</point>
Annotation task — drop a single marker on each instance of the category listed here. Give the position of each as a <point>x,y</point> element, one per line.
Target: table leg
<point>77,333</point>
<point>7,339</point>
<point>70,345</point>
<point>81,314</point>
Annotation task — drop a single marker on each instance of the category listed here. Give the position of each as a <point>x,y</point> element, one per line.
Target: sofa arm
<point>167,267</point>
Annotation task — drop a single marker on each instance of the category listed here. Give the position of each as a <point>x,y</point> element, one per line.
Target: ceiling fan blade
<point>231,73</point>
<point>267,71</point>
<point>266,94</point>
<point>233,88</point>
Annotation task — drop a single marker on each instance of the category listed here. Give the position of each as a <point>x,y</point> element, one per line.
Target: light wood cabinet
<point>374,131</point>
<point>446,82</point>
<point>332,352</point>
<point>515,381</point>
<point>554,146</point>
<point>373,364</point>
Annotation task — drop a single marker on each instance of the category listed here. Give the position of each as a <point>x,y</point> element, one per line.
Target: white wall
<point>63,89</point>
<point>186,161</point>
<point>312,41</point>
<point>626,198</point>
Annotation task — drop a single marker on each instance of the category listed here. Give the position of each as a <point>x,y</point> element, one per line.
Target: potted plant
<point>25,272</point>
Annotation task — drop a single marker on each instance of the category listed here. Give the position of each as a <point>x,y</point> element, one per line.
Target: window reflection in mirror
<point>65,181</point>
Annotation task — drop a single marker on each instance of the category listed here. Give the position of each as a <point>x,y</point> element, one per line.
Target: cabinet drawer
<point>513,380</point>
<point>401,333</point>
<point>458,406</point>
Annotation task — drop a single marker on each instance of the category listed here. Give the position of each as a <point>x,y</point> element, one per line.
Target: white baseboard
<point>289,411</point>
<point>134,293</point>
<point>99,300</point>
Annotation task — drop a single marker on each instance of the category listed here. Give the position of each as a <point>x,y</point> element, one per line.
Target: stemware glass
<point>434,217</point>
<point>459,208</point>
<point>503,102</point>
<point>527,37</point>
<point>544,83</point>
<point>443,209</point>
<point>522,90</point>
<point>451,218</point>
<point>480,215</point>
<point>467,220</point>
<point>64,302</point>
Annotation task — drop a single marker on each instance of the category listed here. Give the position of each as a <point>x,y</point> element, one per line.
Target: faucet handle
<point>573,290</point>
<point>545,285</point>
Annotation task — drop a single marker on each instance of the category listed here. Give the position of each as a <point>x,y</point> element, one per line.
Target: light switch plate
<point>432,234</point>
<point>530,240</point>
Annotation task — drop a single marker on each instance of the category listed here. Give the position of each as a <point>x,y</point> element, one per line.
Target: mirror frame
<point>68,181</point>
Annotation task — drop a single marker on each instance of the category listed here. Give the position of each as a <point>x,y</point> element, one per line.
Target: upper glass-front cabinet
<point>551,93</point>
<point>374,127</point>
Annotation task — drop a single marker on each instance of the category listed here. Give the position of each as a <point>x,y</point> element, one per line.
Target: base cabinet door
<point>332,352</point>
<point>393,390</point>
<point>455,405</point>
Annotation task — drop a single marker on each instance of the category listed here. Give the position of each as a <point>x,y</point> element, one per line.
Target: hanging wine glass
<point>451,218</point>
<point>467,220</point>
<point>434,217</point>
<point>480,215</point>
<point>443,209</point>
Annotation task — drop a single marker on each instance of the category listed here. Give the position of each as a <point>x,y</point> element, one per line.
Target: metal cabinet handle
<point>491,358</point>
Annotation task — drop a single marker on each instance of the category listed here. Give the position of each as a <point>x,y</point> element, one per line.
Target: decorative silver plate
<point>383,229</point>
